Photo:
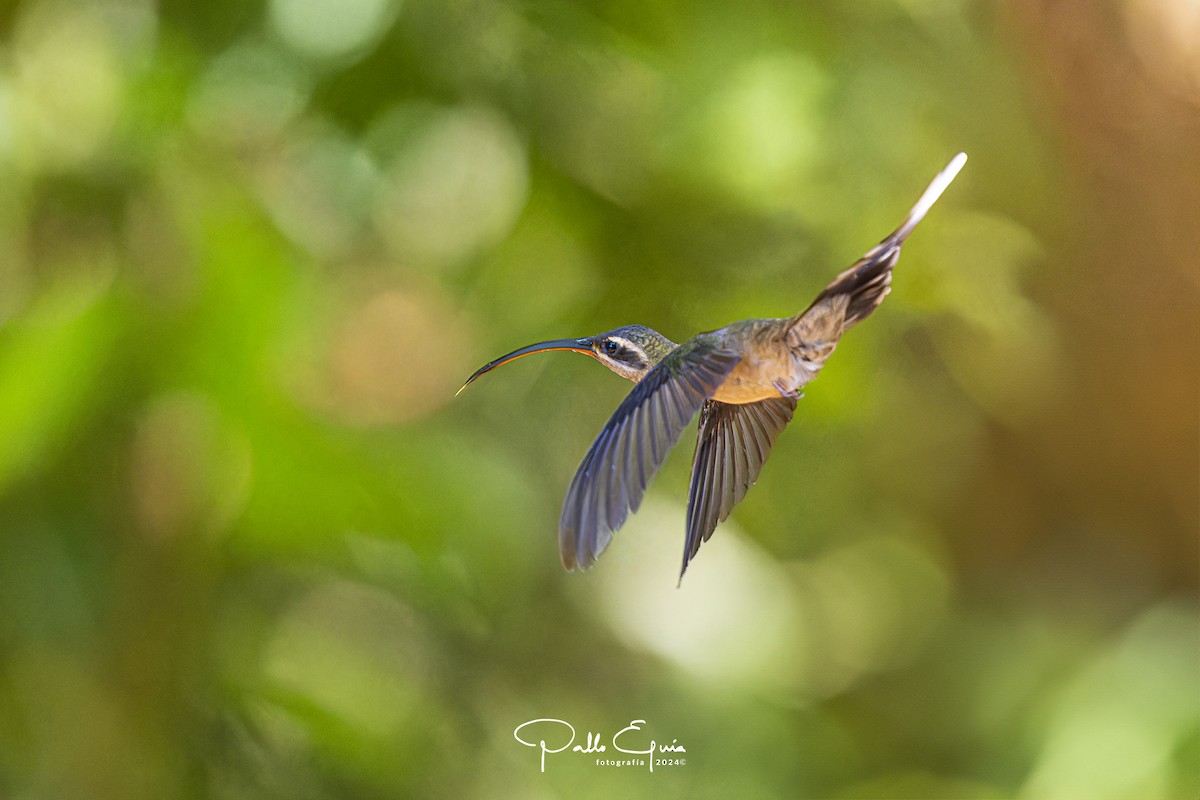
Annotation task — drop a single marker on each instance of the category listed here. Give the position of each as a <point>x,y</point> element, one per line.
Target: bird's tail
<point>869,279</point>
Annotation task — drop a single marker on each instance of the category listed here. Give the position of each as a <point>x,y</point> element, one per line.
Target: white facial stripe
<point>623,342</point>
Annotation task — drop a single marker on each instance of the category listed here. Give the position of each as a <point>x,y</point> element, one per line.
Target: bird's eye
<point>611,347</point>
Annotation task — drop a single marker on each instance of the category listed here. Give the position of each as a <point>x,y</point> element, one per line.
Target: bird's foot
<point>786,391</point>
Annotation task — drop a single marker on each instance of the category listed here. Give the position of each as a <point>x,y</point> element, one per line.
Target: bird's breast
<point>769,366</point>
<point>765,373</point>
<point>757,377</point>
<point>739,393</point>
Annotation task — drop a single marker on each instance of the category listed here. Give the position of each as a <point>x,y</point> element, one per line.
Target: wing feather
<point>732,446</point>
<point>612,480</point>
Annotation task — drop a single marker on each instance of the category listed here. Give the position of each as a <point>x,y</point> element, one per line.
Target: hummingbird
<point>744,380</point>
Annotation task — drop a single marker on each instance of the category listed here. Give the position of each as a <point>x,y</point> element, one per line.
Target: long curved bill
<point>578,345</point>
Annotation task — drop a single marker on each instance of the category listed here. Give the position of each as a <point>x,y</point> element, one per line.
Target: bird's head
<point>630,351</point>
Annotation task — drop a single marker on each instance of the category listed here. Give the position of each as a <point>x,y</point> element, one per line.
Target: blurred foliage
<point>251,546</point>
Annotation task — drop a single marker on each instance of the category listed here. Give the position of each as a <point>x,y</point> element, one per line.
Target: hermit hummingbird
<point>744,379</point>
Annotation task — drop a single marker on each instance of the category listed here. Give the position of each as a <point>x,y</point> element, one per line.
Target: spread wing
<point>733,444</point>
<point>614,474</point>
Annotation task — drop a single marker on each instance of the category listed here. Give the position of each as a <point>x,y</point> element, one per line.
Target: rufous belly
<point>755,379</point>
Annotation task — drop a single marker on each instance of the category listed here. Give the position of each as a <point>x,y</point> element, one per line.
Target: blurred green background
<point>251,546</point>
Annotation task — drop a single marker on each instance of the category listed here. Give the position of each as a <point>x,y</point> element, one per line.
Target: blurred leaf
<point>53,372</point>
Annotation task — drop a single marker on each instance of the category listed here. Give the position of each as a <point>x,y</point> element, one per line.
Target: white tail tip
<point>937,186</point>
